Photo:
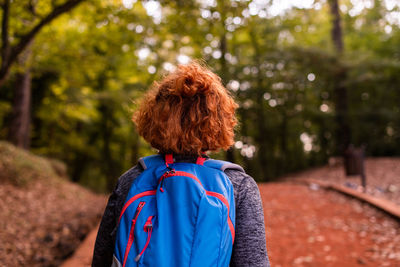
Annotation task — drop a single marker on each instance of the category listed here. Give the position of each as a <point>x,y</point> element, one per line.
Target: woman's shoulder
<point>126,179</point>
<point>240,179</point>
<point>243,184</point>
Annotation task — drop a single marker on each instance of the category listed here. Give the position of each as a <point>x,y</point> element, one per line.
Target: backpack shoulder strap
<point>222,165</point>
<point>157,160</point>
<point>151,161</point>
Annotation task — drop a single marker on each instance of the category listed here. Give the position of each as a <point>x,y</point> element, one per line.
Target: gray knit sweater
<point>249,248</point>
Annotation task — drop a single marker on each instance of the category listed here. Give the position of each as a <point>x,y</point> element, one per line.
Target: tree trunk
<point>19,129</point>
<point>262,130</point>
<point>224,72</point>
<point>343,129</point>
<point>336,33</point>
<point>109,167</point>
<point>230,155</point>
<point>343,134</point>
<point>284,144</point>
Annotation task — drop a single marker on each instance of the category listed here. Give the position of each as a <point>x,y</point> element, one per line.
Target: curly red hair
<point>188,112</point>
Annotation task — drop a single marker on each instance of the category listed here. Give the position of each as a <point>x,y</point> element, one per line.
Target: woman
<point>187,114</point>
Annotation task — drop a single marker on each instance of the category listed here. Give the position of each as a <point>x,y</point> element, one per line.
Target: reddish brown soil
<point>43,223</point>
<point>323,228</point>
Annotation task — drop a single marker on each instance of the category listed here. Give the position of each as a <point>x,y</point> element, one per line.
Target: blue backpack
<point>177,214</point>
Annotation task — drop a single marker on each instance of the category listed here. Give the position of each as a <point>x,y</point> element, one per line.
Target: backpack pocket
<point>133,229</point>
<point>131,237</point>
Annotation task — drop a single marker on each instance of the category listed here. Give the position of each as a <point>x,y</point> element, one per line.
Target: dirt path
<point>83,255</point>
<point>313,228</point>
<point>322,228</point>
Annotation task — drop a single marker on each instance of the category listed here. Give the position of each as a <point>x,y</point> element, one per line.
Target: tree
<point>10,53</point>
<point>343,133</point>
<point>19,130</point>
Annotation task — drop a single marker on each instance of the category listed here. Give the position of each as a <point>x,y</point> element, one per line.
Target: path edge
<point>385,205</point>
<point>81,258</point>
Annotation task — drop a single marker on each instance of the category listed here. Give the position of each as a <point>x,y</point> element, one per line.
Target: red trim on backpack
<point>200,160</point>
<point>223,199</point>
<point>169,159</point>
<point>131,232</point>
<point>181,173</point>
<point>135,197</point>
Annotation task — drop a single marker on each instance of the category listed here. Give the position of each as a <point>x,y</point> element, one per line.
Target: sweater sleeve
<point>249,248</point>
<point>105,241</point>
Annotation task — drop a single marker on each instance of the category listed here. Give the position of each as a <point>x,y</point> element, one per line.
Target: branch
<point>28,37</point>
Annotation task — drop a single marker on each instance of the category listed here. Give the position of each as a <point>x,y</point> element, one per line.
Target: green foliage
<point>91,67</point>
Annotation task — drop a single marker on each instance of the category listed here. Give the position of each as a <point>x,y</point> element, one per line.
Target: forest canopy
<point>310,77</point>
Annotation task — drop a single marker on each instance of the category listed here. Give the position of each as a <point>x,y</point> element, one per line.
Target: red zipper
<point>134,198</point>
<point>165,175</point>
<point>176,173</point>
<point>148,227</point>
<point>131,233</point>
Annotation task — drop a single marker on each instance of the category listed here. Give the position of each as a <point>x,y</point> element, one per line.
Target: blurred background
<point>311,78</point>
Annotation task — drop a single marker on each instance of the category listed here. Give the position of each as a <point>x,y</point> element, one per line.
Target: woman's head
<point>187,112</point>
